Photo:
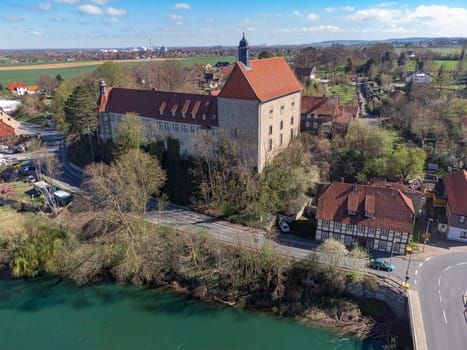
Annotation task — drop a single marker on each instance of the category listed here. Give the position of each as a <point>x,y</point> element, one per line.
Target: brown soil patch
<point>75,64</point>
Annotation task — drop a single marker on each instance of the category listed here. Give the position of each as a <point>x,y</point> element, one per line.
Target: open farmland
<point>31,73</point>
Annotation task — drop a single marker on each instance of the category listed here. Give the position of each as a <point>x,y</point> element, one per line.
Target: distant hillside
<point>399,41</point>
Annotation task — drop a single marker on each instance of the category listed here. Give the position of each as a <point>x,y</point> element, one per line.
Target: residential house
<point>318,113</point>
<point>304,74</point>
<point>7,133</point>
<point>379,218</point>
<point>259,105</point>
<point>455,185</point>
<point>348,114</point>
<point>33,89</point>
<point>18,88</point>
<point>326,114</point>
<point>419,78</point>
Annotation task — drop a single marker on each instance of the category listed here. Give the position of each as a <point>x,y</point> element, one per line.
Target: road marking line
<point>415,282</point>
<point>421,264</point>
<point>445,319</point>
<point>416,272</point>
<point>427,259</point>
<point>447,268</point>
<point>439,281</point>
<point>464,263</point>
<point>440,298</point>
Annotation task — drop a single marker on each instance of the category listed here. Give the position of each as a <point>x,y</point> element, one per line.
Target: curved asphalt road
<point>441,283</point>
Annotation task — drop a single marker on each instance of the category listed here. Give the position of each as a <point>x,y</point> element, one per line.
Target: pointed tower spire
<point>243,51</point>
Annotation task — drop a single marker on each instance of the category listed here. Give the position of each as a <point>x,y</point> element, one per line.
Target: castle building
<point>259,104</point>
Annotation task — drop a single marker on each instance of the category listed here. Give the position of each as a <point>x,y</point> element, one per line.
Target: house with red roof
<point>374,217</point>
<point>18,88</point>
<point>455,186</point>
<point>259,105</point>
<point>326,114</point>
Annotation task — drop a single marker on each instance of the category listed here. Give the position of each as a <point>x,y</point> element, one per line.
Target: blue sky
<point>128,23</point>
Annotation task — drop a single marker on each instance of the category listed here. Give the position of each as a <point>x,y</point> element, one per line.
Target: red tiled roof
<point>12,86</point>
<point>456,190</point>
<point>320,105</point>
<point>215,92</point>
<point>263,80</point>
<point>33,88</point>
<point>6,130</point>
<point>169,106</point>
<point>391,208</point>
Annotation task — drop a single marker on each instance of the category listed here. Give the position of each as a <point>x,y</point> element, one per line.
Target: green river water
<point>48,314</point>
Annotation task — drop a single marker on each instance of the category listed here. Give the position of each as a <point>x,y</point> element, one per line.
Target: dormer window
<point>368,214</point>
<point>351,213</point>
<point>173,113</point>
<point>193,115</point>
<point>161,111</point>
<point>183,114</point>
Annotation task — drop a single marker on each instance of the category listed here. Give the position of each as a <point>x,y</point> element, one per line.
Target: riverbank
<point>85,250</point>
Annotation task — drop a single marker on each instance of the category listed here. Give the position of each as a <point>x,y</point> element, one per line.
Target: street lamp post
<point>406,283</point>
<point>425,235</point>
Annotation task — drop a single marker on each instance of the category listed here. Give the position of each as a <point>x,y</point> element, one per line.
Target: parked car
<point>20,149</point>
<point>381,264</point>
<point>27,169</point>
<point>284,226</point>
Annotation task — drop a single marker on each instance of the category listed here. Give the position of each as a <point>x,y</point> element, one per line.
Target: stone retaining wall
<point>394,296</point>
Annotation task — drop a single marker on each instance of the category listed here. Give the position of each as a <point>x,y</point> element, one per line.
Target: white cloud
<point>90,10</point>
<point>59,19</point>
<point>387,4</point>
<point>115,12</point>
<point>328,28</point>
<point>175,19</point>
<point>44,6</point>
<point>99,2</point>
<point>182,6</point>
<point>35,33</point>
<point>347,8</point>
<point>329,9</point>
<point>66,1</point>
<point>296,13</point>
<point>441,20</point>
<point>383,16</point>
<point>13,18</point>
<point>312,17</point>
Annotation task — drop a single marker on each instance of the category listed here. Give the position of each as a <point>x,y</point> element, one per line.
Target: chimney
<point>354,186</point>
<point>342,179</point>
<point>102,88</point>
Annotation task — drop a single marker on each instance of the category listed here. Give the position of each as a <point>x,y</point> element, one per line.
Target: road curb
<point>416,321</point>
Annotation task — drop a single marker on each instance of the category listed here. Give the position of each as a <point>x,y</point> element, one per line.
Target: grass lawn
<point>21,193</point>
<point>346,92</point>
<point>304,227</point>
<point>38,119</point>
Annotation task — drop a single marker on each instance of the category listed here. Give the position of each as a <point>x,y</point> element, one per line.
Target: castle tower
<point>243,51</point>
